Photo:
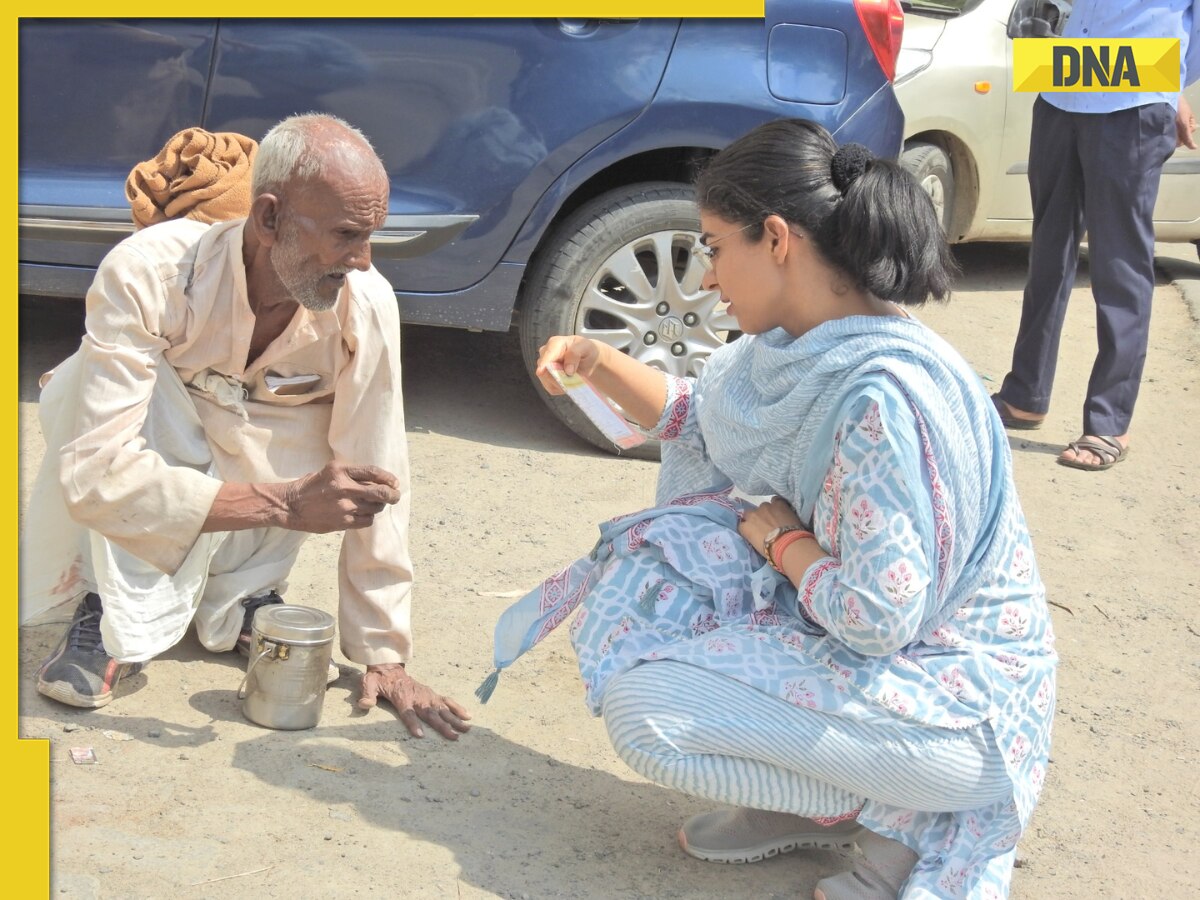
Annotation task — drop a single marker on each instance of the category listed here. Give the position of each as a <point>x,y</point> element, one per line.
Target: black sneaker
<point>252,605</point>
<point>79,672</point>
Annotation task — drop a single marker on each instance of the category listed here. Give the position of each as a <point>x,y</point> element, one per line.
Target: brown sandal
<point>1109,450</point>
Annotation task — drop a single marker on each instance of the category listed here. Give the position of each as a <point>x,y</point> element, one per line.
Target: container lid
<point>285,623</point>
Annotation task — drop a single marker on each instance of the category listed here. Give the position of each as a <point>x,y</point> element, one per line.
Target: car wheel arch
<point>676,163</point>
<point>663,164</point>
<point>965,172</point>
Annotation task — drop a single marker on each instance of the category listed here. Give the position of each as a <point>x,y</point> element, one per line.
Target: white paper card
<point>596,407</point>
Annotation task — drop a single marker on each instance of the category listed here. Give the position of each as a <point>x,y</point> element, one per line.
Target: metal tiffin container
<point>290,649</point>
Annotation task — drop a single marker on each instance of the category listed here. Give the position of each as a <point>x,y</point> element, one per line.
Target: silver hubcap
<point>932,185</point>
<point>646,300</point>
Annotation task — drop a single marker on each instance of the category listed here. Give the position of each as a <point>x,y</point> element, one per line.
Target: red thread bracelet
<point>781,543</point>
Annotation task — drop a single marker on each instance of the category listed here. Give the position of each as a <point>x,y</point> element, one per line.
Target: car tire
<point>599,275</point>
<point>929,164</point>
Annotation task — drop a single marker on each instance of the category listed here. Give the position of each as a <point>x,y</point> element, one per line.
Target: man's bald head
<point>320,191</point>
<point>313,146</point>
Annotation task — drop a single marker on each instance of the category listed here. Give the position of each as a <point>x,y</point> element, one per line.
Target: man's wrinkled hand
<point>415,702</point>
<point>339,497</point>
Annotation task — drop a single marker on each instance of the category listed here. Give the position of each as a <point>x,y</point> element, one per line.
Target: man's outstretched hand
<point>338,497</point>
<point>415,702</point>
<point>335,498</point>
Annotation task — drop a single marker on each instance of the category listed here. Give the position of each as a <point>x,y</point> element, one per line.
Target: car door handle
<point>584,27</point>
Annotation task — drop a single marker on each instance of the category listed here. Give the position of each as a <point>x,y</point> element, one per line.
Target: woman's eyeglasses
<point>704,252</point>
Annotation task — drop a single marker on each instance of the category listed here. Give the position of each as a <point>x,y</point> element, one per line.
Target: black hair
<point>866,215</point>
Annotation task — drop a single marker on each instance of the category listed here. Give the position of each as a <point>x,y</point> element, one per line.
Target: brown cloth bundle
<point>198,174</point>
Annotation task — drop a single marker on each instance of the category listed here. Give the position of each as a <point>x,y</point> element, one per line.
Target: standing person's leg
<point>1056,189</point>
<point>1122,155</point>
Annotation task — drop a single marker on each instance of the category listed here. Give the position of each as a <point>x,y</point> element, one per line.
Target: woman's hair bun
<point>847,164</point>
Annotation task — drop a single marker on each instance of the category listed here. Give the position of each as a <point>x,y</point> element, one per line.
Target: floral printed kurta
<point>927,608</point>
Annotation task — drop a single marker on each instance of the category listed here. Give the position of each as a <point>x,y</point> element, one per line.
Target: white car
<point>966,132</point>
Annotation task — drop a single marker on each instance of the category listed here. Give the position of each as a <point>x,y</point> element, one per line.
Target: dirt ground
<point>189,799</point>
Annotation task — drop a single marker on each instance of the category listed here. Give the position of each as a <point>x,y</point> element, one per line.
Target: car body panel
<point>988,134</point>
<point>698,106</point>
<point>149,78</point>
<point>491,131</point>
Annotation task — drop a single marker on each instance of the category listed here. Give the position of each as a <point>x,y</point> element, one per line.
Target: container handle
<point>249,669</point>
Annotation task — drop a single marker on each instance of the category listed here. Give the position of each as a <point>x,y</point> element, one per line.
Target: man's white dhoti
<point>146,610</point>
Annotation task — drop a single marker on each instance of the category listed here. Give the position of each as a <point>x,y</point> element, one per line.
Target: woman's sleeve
<point>678,420</point>
<point>873,591</point>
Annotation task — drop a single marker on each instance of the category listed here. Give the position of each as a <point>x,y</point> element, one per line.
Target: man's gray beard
<point>315,302</point>
<point>285,264</point>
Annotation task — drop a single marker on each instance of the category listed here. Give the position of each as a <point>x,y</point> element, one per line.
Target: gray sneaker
<point>252,605</point>
<point>746,835</point>
<point>877,874</point>
<point>79,672</point>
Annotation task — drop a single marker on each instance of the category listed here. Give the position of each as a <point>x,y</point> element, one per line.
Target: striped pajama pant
<point>710,736</point>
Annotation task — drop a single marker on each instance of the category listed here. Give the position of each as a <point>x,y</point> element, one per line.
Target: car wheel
<point>929,164</point>
<point>620,270</point>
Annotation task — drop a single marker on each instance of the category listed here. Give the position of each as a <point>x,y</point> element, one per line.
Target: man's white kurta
<point>158,407</point>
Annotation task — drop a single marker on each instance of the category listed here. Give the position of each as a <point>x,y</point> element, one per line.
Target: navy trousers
<point>1097,172</point>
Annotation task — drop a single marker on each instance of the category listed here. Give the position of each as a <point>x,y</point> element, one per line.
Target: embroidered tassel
<point>648,598</point>
<point>484,692</point>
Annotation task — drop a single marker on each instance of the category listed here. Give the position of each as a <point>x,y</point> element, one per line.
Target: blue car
<point>540,169</point>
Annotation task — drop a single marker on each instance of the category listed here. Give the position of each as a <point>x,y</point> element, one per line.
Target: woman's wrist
<point>778,540</point>
<point>795,558</point>
<point>639,389</point>
<point>600,364</point>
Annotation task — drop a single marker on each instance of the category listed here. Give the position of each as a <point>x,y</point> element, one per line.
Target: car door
<point>96,98</point>
<point>473,119</point>
<point>1011,200</point>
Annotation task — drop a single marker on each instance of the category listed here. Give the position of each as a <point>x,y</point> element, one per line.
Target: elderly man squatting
<point>237,389</point>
